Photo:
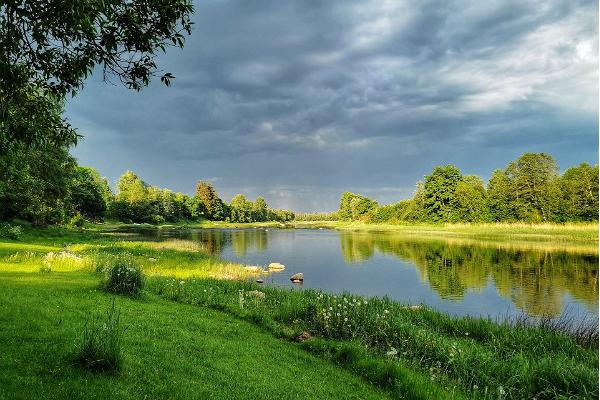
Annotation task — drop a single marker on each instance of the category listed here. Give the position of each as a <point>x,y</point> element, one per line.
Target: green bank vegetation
<point>169,346</point>
<point>529,189</point>
<point>52,189</point>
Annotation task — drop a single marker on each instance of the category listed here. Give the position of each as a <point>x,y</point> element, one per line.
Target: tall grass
<point>485,358</point>
<point>100,349</point>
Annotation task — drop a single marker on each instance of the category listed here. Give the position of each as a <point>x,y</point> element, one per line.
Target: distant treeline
<point>44,185</point>
<point>529,189</point>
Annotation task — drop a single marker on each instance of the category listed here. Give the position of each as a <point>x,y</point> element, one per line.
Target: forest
<point>529,189</point>
<point>46,186</point>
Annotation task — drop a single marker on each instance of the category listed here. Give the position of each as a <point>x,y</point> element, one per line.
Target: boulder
<point>299,277</point>
<point>276,266</point>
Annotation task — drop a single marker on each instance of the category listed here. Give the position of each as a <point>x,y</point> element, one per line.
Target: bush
<point>76,221</point>
<point>9,231</point>
<point>124,277</point>
<point>100,349</point>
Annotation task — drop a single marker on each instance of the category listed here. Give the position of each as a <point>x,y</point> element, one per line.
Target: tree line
<point>529,189</point>
<point>55,189</point>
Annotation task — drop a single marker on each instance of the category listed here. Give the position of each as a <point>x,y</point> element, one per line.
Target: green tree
<point>210,201</point>
<point>500,197</point>
<point>469,204</point>
<point>439,192</point>
<point>580,193</point>
<point>354,206</point>
<point>48,48</point>
<point>534,182</point>
<point>240,209</point>
<point>89,193</point>
<point>34,182</point>
<point>260,209</point>
<point>345,211</point>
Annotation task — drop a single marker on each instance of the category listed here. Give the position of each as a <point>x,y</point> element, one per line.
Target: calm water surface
<point>458,277</point>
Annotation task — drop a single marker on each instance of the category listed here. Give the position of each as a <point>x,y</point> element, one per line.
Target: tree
<point>345,211</point>
<point>500,197</point>
<point>534,182</point>
<point>579,187</point>
<point>354,206</point>
<point>260,209</point>
<point>439,192</point>
<point>241,209</point>
<point>34,182</point>
<point>469,202</point>
<point>88,193</point>
<point>48,48</point>
<point>210,201</point>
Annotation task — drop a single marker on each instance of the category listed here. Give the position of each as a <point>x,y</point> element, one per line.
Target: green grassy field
<point>200,330</point>
<point>171,351</point>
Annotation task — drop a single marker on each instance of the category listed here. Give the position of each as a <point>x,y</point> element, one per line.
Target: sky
<point>299,101</point>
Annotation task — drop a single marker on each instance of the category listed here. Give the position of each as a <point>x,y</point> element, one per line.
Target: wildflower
<point>345,319</point>
<point>392,352</point>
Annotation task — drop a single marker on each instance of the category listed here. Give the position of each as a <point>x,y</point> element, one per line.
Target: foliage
<point>48,49</point>
<point>469,203</point>
<point>100,349</point>
<point>534,183</point>
<point>9,231</point>
<point>439,192</point>
<point>212,206</point>
<point>579,187</point>
<point>89,193</point>
<point>34,183</point>
<point>320,216</point>
<point>124,277</point>
<point>529,189</point>
<point>355,207</point>
<point>499,196</point>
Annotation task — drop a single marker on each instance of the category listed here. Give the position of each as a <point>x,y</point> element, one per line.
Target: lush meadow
<point>187,318</point>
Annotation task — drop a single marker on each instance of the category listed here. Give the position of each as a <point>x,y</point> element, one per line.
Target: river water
<point>457,276</point>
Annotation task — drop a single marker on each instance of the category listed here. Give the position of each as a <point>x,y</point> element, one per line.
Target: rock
<point>296,278</point>
<point>253,268</point>
<point>276,266</point>
<point>259,281</point>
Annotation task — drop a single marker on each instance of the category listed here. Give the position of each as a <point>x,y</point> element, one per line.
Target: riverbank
<point>568,232</point>
<point>383,347</point>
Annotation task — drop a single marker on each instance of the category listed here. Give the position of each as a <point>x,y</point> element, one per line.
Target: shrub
<point>76,221</point>
<point>124,277</point>
<point>9,231</point>
<point>100,348</point>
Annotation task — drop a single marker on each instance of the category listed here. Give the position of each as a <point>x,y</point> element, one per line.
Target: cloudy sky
<point>302,100</point>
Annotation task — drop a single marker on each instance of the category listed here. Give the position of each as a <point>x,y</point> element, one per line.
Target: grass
<point>568,232</point>
<point>191,335</point>
<point>170,351</point>
<point>101,342</point>
<point>481,357</point>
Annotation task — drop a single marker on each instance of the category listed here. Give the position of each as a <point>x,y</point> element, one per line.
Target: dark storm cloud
<point>301,100</point>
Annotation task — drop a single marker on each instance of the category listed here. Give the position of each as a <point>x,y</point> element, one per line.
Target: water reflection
<point>240,240</point>
<point>536,281</point>
<point>456,275</point>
